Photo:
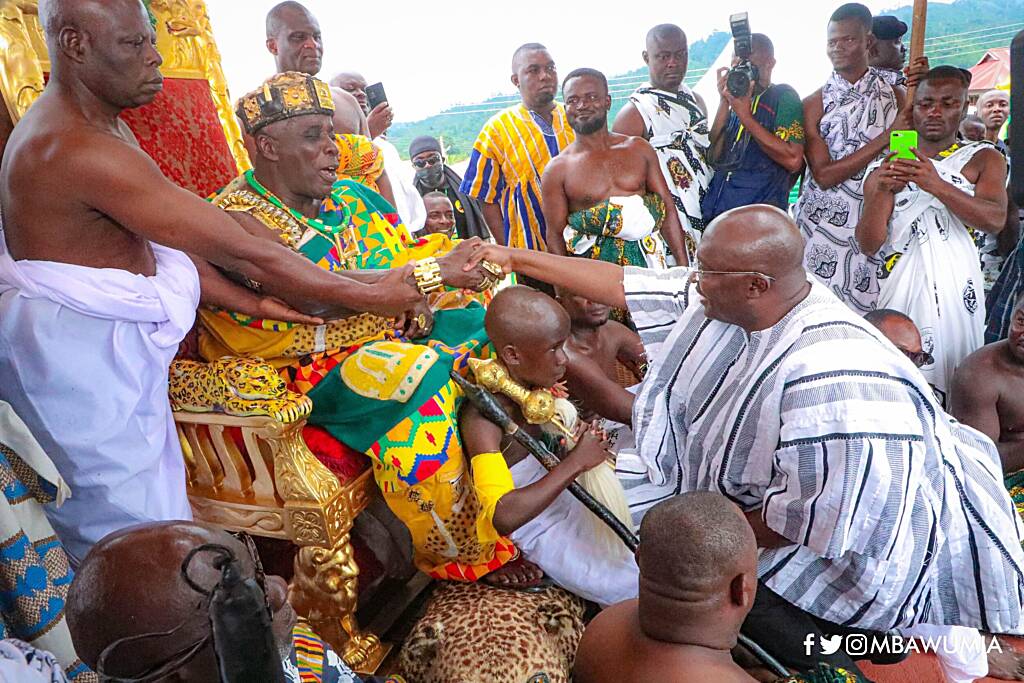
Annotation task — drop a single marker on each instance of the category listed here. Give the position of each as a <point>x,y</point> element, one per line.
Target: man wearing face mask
<point>434,175</point>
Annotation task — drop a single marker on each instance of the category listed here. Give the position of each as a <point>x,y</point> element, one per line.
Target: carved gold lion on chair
<point>242,387</point>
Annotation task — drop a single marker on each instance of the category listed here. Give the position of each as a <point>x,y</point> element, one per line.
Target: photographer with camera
<point>757,139</point>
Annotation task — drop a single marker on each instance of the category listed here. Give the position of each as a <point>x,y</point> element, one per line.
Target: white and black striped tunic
<point>897,512</point>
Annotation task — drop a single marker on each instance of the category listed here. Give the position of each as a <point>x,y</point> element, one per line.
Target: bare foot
<point>1007,665</point>
<point>517,574</point>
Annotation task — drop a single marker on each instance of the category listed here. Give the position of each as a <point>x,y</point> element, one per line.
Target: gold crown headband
<point>283,96</point>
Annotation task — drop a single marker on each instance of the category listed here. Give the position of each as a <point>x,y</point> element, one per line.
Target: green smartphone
<point>900,141</point>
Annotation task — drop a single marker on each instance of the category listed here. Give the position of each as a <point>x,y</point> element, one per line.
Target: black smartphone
<point>375,95</point>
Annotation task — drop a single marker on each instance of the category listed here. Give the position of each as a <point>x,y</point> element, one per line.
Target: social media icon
<point>808,643</point>
<point>829,646</point>
<point>856,644</point>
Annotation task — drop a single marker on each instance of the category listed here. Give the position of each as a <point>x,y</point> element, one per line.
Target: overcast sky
<point>433,55</point>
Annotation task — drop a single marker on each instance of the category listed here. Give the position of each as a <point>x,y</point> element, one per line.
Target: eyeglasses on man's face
<point>698,274</point>
<point>918,358</point>
<point>588,98</point>
<point>427,161</point>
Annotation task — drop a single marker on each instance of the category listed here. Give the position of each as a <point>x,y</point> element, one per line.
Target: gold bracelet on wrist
<point>428,275</point>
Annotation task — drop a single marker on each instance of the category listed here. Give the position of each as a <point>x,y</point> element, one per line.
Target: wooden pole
<point>917,30</point>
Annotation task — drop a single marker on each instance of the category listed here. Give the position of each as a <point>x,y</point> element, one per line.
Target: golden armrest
<point>248,469</point>
<point>240,387</point>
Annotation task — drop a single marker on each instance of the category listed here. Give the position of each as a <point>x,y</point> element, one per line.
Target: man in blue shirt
<point>757,140</point>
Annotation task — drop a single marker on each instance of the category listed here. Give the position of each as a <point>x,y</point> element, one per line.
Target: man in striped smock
<point>872,508</point>
<point>514,148</point>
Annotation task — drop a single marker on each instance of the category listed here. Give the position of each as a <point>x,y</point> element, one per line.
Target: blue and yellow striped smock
<point>509,156</point>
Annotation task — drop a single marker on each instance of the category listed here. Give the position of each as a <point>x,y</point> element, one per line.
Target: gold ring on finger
<point>493,268</point>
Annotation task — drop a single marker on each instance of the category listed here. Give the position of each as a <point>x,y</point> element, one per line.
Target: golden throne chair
<point>251,471</point>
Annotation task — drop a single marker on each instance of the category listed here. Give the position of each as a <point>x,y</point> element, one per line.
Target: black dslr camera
<point>739,78</point>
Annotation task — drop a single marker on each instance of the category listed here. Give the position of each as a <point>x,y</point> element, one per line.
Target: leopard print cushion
<point>241,387</point>
<point>473,632</point>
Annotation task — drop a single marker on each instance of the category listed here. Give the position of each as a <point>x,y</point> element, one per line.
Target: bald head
<point>348,115</point>
<point>664,33</point>
<point>528,329</point>
<point>693,544</point>
<point>83,15</point>
<point>750,267</point>
<point>667,56</point>
<point>992,94</point>
<point>897,328</point>
<point>519,315</point>
<point>346,76</point>
<point>130,584</point>
<point>757,238</point>
<point>87,42</point>
<point>354,84</point>
<point>521,53</point>
<point>283,12</point>
<point>293,37</point>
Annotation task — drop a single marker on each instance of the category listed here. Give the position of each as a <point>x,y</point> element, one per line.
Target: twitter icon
<point>829,646</point>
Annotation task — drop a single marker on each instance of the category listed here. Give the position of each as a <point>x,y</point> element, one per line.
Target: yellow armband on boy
<point>492,480</point>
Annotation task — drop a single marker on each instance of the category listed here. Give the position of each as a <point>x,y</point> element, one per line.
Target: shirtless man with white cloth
<point>604,196</point>
<point>94,293</point>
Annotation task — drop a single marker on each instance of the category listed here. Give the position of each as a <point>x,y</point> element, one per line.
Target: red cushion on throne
<point>180,129</point>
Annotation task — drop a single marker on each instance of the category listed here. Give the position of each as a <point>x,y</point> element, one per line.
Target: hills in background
<point>957,33</point>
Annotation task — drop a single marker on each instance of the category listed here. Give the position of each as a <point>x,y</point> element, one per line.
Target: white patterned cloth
<point>929,271</point>
<point>22,663</point>
<point>84,357</point>
<point>896,513</point>
<point>678,130</point>
<point>854,115</point>
<point>559,541</point>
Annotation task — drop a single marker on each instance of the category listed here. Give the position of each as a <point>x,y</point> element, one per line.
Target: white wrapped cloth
<point>561,541</point>
<point>620,218</point>
<point>854,115</point>
<point>930,272</point>
<point>84,356</point>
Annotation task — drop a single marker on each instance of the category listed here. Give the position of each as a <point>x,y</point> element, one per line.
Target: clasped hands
<point>460,268</point>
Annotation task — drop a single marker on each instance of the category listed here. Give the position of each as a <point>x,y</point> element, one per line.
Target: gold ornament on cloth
<point>538,405</point>
<point>427,273</point>
<point>558,416</point>
<point>283,96</point>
